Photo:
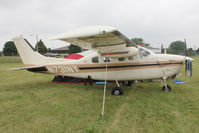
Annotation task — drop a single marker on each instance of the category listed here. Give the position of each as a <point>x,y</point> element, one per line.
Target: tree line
<point>176,47</point>
<point>9,48</point>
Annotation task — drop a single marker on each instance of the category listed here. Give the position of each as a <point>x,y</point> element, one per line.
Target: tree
<point>197,52</point>
<point>9,49</point>
<point>190,52</point>
<point>138,40</point>
<point>165,50</point>
<point>49,49</point>
<point>162,49</point>
<point>74,49</point>
<point>40,47</point>
<point>146,44</point>
<point>177,47</point>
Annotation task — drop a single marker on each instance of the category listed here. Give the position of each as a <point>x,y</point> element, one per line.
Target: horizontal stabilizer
<point>30,68</point>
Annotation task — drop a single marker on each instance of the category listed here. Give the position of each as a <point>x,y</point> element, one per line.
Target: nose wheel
<point>117,91</point>
<point>166,88</point>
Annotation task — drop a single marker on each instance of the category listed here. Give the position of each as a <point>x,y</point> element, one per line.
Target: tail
<point>29,56</point>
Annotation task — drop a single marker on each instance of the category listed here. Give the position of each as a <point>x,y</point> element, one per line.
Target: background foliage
<point>40,47</point>
<point>9,49</point>
<point>74,49</point>
<point>177,47</point>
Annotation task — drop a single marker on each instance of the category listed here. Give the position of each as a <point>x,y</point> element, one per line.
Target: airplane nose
<point>179,57</point>
<point>183,58</point>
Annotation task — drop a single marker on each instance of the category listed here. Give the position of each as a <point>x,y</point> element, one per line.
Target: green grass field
<point>31,103</point>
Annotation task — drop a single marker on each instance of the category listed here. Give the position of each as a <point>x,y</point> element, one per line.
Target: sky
<point>156,21</point>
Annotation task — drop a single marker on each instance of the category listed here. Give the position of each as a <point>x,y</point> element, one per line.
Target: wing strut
<point>104,96</point>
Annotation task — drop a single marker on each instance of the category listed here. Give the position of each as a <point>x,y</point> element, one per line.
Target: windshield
<point>145,52</point>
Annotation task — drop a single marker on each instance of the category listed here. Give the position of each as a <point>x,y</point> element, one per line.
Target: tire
<point>117,91</point>
<point>90,80</point>
<point>166,90</point>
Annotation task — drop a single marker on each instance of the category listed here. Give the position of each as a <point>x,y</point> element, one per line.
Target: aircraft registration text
<point>62,69</point>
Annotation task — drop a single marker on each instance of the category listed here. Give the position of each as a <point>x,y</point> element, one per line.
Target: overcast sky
<point>156,21</point>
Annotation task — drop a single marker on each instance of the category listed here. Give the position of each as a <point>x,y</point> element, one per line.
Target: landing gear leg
<point>117,90</point>
<point>166,88</point>
<point>127,83</point>
<point>89,80</point>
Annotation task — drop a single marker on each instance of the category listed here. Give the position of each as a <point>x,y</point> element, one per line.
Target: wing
<point>103,39</point>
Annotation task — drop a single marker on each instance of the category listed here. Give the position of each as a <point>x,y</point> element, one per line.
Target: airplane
<point>112,57</point>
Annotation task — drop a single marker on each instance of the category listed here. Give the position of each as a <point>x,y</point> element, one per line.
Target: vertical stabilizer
<point>28,55</point>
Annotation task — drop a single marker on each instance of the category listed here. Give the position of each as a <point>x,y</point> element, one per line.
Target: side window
<point>95,59</point>
<point>121,59</point>
<point>106,59</point>
<point>132,58</point>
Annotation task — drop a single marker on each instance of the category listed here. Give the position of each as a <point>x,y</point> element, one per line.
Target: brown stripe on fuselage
<point>126,67</point>
<point>90,68</point>
<point>97,67</point>
<point>113,64</point>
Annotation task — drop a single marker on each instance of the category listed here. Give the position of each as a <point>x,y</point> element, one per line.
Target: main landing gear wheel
<point>166,88</point>
<point>117,91</point>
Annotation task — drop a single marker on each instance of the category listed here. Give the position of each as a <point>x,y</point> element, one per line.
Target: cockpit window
<point>121,59</point>
<point>132,58</point>
<point>95,59</point>
<point>144,52</point>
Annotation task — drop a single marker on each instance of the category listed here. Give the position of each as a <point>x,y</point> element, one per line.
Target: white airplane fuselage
<point>153,66</point>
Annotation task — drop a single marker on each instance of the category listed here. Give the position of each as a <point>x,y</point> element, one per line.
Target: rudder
<point>27,53</point>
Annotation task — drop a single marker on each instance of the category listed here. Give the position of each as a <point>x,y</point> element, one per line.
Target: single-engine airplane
<point>113,57</point>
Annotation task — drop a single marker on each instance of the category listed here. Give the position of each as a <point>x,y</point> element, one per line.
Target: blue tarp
<point>178,82</point>
<point>101,83</point>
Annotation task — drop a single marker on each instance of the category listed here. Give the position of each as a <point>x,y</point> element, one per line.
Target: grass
<point>31,103</point>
